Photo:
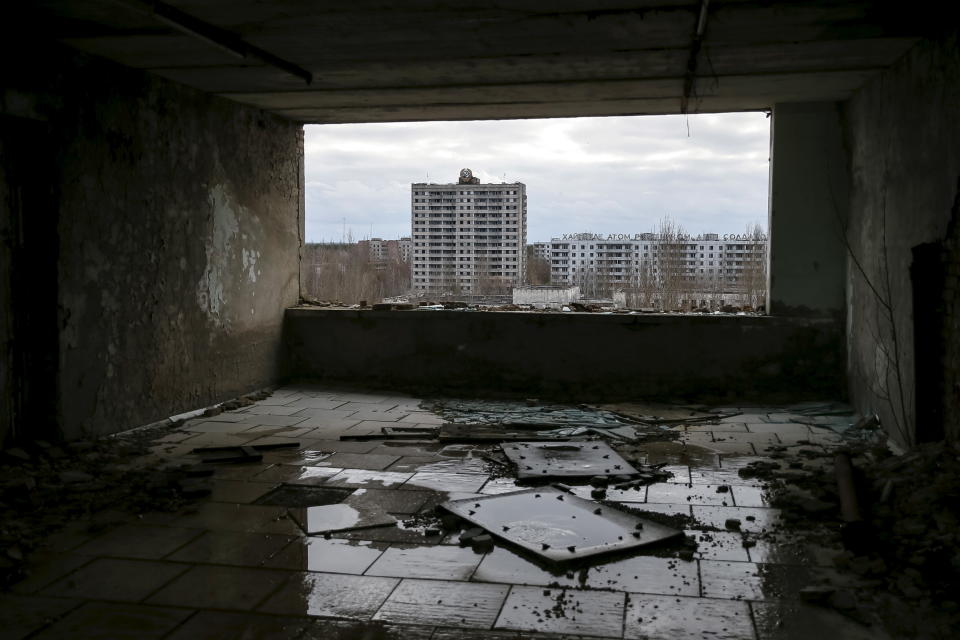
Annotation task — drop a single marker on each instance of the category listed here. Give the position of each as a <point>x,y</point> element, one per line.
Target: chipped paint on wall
<point>250,257</point>
<point>177,227</point>
<point>217,274</point>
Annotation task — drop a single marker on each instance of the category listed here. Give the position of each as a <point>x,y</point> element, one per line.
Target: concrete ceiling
<point>384,60</point>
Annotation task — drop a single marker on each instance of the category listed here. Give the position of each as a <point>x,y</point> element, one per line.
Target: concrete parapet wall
<point>571,356</point>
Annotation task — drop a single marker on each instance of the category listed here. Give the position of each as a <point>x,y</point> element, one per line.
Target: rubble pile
<point>553,421</point>
<point>901,563</point>
<point>47,487</point>
<point>88,485</point>
<point>912,555</point>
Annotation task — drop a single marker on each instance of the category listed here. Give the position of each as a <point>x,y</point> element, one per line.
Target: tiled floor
<point>228,568</point>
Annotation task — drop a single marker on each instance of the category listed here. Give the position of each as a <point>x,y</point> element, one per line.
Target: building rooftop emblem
<point>466,177</point>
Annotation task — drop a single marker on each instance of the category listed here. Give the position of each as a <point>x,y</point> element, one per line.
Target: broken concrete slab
<point>572,459</point>
<point>557,526</point>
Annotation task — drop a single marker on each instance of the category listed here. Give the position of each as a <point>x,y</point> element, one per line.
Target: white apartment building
<point>381,250</point>
<point>468,238</point>
<point>377,248</point>
<point>406,248</point>
<point>698,269</point>
<point>541,250</point>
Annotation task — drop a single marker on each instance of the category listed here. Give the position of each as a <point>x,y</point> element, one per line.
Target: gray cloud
<point>605,175</point>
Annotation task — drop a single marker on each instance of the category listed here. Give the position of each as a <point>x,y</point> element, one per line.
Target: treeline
<point>345,274</point>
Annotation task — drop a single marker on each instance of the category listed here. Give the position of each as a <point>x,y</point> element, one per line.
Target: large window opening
<point>646,213</point>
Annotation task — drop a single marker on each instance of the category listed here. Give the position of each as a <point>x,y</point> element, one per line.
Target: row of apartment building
<point>628,260</point>
<point>666,271</point>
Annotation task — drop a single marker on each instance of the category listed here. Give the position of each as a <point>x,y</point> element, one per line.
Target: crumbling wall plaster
<point>179,226</point>
<point>904,134</point>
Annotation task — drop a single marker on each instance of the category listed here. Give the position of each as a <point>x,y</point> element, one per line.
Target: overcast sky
<point>598,175</point>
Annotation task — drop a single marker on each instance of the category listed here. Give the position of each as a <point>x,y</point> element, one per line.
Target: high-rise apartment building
<point>468,238</point>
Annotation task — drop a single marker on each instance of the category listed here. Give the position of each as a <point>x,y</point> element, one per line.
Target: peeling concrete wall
<point>904,131</point>
<point>809,190</point>
<point>180,218</point>
<point>572,356</point>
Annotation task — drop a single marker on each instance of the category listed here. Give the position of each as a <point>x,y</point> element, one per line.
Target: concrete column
<point>809,201</point>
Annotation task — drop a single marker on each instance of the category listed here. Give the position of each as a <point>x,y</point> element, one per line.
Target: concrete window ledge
<point>570,356</point>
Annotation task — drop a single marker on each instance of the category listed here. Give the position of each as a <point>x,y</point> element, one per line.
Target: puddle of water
<point>406,448</point>
<point>306,457</point>
<point>330,556</point>
<point>340,517</point>
<point>332,595</point>
<point>313,475</point>
<point>673,453</point>
<point>448,482</point>
<point>457,450</point>
<point>371,479</point>
<point>464,465</point>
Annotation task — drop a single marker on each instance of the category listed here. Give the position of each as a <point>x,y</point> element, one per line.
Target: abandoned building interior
<point>800,466</point>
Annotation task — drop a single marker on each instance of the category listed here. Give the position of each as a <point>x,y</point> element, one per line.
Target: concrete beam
<point>809,202</point>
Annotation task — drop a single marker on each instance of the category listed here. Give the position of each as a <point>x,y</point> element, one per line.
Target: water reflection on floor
<point>371,558</point>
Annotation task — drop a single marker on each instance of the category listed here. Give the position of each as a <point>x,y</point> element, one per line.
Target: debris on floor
<point>240,454</point>
<point>84,486</point>
<point>530,415</point>
<point>909,557</point>
<point>571,459</point>
<point>558,526</point>
<point>663,414</point>
<point>396,433</point>
<point>893,530</point>
<point>480,433</point>
<point>376,498</point>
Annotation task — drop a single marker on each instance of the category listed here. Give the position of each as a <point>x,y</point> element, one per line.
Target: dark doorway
<point>28,293</point>
<point>927,276</point>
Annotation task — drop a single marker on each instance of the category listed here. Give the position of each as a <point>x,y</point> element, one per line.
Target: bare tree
<point>670,260</point>
<point>538,268</point>
<point>644,285</point>
<point>752,287</point>
<point>345,273</point>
